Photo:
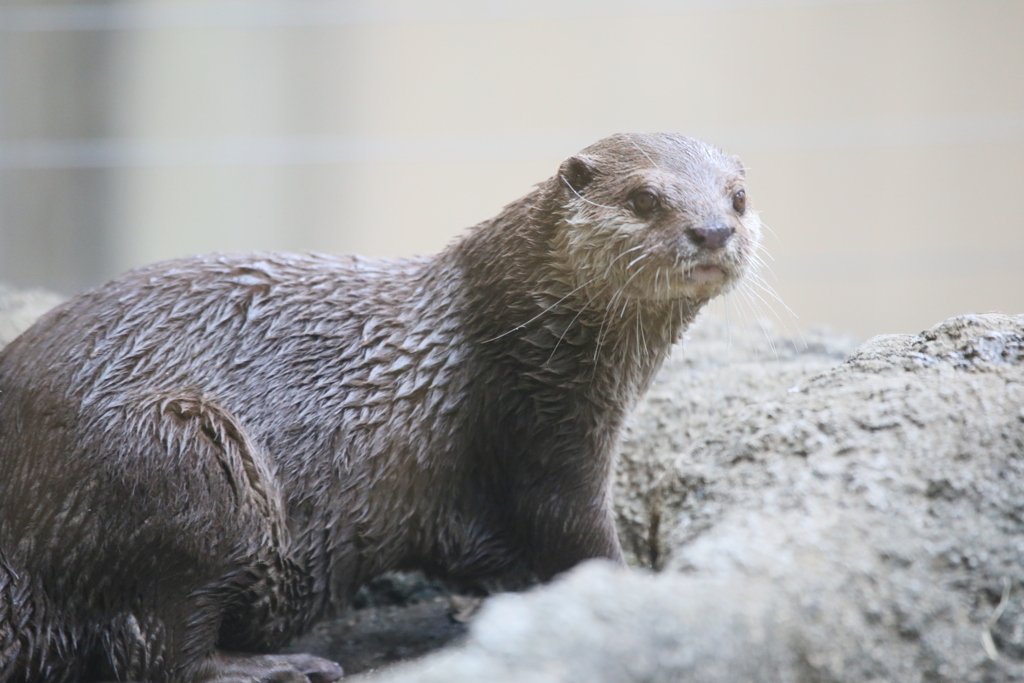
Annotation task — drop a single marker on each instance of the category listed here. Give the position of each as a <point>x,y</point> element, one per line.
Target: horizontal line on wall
<point>919,263</point>
<point>130,16</point>
<point>310,151</point>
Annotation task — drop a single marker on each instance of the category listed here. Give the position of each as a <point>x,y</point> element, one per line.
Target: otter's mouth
<point>705,275</point>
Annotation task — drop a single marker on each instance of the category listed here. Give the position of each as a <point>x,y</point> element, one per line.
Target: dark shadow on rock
<point>369,638</point>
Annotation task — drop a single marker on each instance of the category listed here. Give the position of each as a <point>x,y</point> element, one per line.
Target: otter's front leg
<point>566,523</point>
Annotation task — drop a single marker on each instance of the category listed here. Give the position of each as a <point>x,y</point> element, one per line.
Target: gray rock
<point>865,523</point>
<point>604,623</point>
<point>719,370</point>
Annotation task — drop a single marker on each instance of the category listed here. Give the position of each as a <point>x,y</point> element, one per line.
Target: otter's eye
<point>645,203</point>
<point>739,201</point>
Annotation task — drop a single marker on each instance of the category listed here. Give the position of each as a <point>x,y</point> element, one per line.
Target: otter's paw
<point>298,668</point>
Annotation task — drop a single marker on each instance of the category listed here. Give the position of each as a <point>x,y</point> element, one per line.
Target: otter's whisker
<point>764,250</point>
<point>566,330</point>
<point>611,306</point>
<point>756,279</point>
<point>608,270</point>
<point>728,325</point>
<point>641,257</point>
<point>604,321</point>
<point>549,308</point>
<point>746,288</point>
<point>643,334</point>
<point>757,261</point>
<point>600,334</point>
<point>638,271</point>
<point>745,292</point>
<point>602,206</point>
<point>655,165</point>
<point>758,264</point>
<point>765,226</point>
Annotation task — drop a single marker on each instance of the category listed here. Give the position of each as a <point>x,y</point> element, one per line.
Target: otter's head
<point>655,217</point>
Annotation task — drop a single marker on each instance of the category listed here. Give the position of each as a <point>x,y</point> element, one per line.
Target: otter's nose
<point>711,238</point>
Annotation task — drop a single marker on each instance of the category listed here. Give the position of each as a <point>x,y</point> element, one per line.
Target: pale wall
<point>885,140</point>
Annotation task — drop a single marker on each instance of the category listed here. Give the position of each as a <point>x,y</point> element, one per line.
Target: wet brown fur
<point>215,452</point>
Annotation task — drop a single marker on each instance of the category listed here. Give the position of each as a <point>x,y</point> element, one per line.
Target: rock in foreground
<point>864,524</point>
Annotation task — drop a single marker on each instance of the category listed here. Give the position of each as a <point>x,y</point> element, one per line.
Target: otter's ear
<point>577,172</point>
<point>737,164</point>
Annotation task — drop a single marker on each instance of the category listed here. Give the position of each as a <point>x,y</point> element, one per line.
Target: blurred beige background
<point>885,139</point>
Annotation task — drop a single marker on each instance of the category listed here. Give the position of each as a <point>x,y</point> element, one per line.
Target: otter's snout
<point>710,238</point>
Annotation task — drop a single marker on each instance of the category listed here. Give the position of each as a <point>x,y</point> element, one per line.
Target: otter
<point>203,457</point>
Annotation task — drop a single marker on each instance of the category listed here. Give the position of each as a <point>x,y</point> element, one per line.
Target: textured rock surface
<point>862,524</point>
<point>719,370</point>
